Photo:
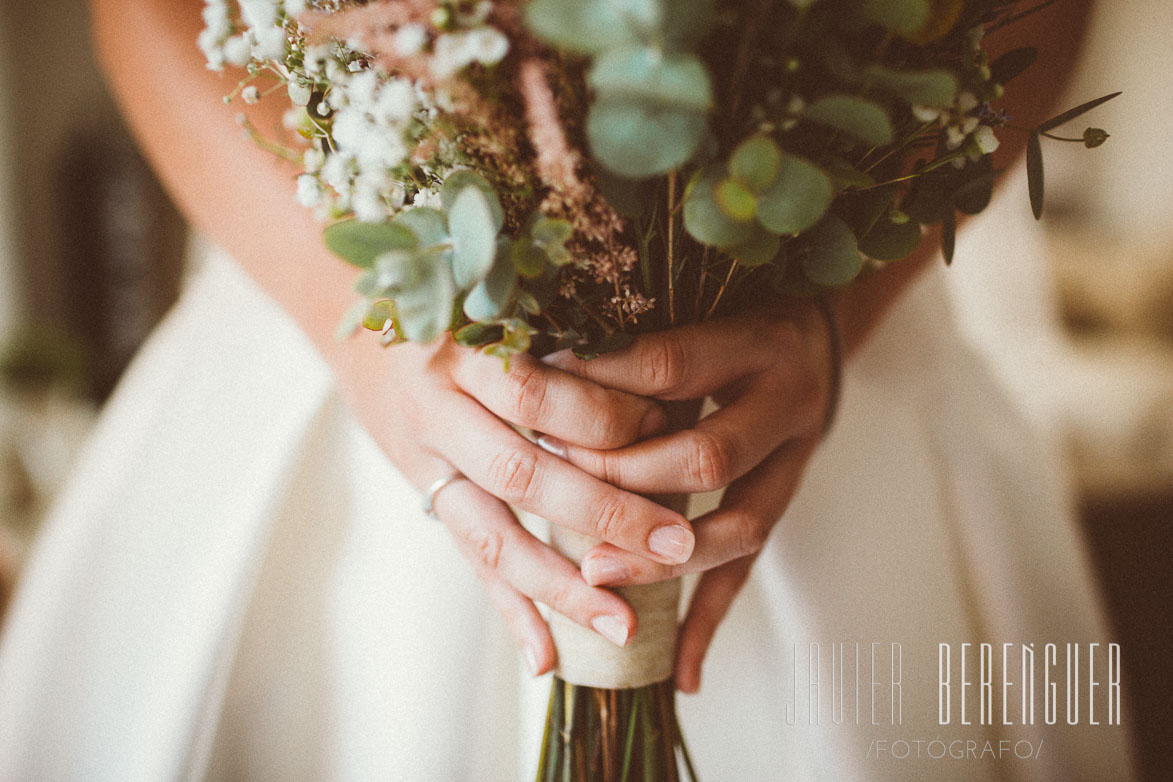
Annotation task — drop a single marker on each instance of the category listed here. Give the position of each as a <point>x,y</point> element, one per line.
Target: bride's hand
<point>451,405</point>
<point>772,375</point>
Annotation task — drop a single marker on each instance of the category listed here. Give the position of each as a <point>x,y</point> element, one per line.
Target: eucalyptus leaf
<point>703,218</point>
<point>528,259</point>
<point>551,235</point>
<point>798,198</point>
<point>474,335</point>
<point>755,162</point>
<point>761,248</point>
<point>936,87</point>
<point>474,236</point>
<point>423,290</point>
<point>489,297</point>
<point>635,140</point>
<point>650,76</point>
<point>735,199</point>
<point>585,28</point>
<point>429,225</point>
<point>859,117</point>
<point>459,180</point>
<point>377,314</point>
<point>359,243</point>
<point>831,255</point>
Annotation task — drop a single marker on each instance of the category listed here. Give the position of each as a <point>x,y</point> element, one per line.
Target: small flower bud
<point>1094,137</point>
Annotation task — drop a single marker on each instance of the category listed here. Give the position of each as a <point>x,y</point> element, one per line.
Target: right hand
<point>441,409</point>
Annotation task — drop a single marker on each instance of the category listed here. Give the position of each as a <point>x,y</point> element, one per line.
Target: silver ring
<point>433,490</point>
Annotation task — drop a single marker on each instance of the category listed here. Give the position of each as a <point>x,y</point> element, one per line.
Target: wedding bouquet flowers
<point>536,176</point>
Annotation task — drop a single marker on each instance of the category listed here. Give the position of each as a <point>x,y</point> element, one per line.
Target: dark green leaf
<point>529,260</point>
<point>1034,173</point>
<point>360,243</point>
<point>937,88</point>
<point>1071,114</point>
<point>974,196</point>
<point>1013,63</point>
<point>473,335</point>
<point>890,241</point>
<point>858,117</point>
<point>948,236</point>
<point>830,254</point>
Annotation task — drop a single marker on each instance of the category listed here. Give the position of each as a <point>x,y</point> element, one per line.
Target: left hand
<point>771,375</point>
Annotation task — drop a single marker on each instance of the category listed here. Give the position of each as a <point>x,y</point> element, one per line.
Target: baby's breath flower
<point>410,39</point>
<point>250,94</point>
<point>309,191</point>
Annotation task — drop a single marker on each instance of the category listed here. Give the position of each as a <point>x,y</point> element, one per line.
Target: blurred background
<point>91,255</point>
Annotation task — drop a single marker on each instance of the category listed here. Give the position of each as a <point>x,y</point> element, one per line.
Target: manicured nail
<point>655,421</point>
<point>672,542</point>
<point>559,359</point>
<point>604,570</point>
<point>531,659</point>
<point>611,628</point>
<point>552,445</point>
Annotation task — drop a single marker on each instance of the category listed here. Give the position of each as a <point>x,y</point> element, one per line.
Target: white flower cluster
<point>365,124</point>
<point>961,126</point>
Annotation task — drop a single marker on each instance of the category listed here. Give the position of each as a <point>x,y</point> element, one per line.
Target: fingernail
<point>531,659</point>
<point>653,422</point>
<point>559,359</point>
<point>604,570</point>
<point>552,445</point>
<point>673,542</point>
<point>611,628</point>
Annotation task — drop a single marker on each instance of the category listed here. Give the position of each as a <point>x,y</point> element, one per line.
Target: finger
<point>500,548</point>
<point>739,527</point>
<point>688,362</point>
<point>534,395</point>
<point>510,467</point>
<point>721,448</point>
<point>710,603</point>
<point>525,624</point>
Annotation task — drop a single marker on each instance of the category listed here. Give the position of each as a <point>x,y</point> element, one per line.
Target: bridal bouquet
<point>534,176</point>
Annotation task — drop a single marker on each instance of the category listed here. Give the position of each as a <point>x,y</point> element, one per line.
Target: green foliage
<point>830,255</point>
<point>936,87</point>
<point>900,16</point>
<point>470,224</point>
<point>859,117</point>
<point>797,198</point>
<point>360,243</point>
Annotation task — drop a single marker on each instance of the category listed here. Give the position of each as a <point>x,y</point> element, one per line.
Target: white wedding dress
<point>237,585</point>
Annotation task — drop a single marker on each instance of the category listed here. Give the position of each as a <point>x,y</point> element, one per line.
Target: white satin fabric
<point>238,585</point>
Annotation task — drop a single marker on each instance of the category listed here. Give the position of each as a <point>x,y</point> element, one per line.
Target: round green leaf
<point>858,117</point>
<point>491,295</point>
<point>529,259</point>
<point>653,77</point>
<point>575,26</point>
<point>474,237</point>
<point>421,285</point>
<point>458,180</point>
<point>799,197</point>
<point>755,162</point>
<point>760,248</point>
<point>637,141</point>
<point>936,87</point>
<point>360,243</point>
<point>830,256</point>
<point>703,218</point>
<point>428,225</point>
<point>735,199</point>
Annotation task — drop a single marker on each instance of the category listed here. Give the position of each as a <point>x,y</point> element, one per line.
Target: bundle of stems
<point>599,735</point>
